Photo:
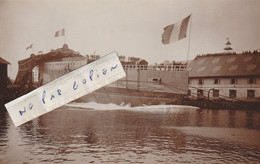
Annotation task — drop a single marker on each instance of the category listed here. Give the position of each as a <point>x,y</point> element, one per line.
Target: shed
<point>3,74</point>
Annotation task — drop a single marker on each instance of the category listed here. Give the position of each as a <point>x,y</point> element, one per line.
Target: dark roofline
<point>226,65</point>
<point>228,53</point>
<point>53,55</point>
<point>3,61</point>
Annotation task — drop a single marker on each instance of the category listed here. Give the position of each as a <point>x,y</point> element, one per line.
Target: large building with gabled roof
<point>226,75</point>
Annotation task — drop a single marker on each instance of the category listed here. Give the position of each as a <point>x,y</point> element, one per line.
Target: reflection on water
<point>3,132</point>
<point>82,133</point>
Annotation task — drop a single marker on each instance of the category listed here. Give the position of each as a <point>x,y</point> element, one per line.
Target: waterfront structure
<point>3,74</point>
<point>226,75</point>
<point>40,69</point>
<point>3,79</point>
<point>143,84</point>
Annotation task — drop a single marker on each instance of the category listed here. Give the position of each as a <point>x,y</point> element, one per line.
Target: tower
<point>228,46</point>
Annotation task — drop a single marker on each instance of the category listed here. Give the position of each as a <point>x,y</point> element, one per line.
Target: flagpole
<point>189,40</point>
<point>64,39</point>
<point>32,49</point>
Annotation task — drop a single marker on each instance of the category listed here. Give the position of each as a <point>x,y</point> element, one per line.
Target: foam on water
<point>144,108</point>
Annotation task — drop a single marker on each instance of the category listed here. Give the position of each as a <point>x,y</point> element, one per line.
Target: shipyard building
<point>225,75</point>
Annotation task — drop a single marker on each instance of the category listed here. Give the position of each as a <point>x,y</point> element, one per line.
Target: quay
<point>215,81</point>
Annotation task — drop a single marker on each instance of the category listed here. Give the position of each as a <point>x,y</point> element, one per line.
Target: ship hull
<point>132,97</point>
<point>142,85</point>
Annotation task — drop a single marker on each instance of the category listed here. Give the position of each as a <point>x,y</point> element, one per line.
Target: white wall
<point>224,86</point>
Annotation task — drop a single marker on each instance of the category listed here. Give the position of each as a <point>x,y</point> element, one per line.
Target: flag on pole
<point>60,33</point>
<point>29,47</point>
<point>175,31</point>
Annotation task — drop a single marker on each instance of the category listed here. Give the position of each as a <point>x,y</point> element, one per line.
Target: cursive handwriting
<point>30,106</point>
<point>93,74</point>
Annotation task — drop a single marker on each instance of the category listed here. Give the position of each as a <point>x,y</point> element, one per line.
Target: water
<point>96,133</point>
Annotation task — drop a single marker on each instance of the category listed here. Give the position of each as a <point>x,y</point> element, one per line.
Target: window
<point>250,67</point>
<point>232,93</point>
<point>233,81</point>
<point>215,60</point>
<point>215,93</point>
<point>233,67</point>
<point>231,59</point>
<point>189,92</point>
<point>216,81</point>
<point>201,69</point>
<point>250,94</point>
<point>200,81</point>
<point>200,61</point>
<point>200,93</point>
<point>248,58</point>
<point>251,80</point>
<point>216,68</point>
<point>157,80</point>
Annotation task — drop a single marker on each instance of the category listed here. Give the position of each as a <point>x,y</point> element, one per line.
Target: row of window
<point>232,93</point>
<point>64,64</point>
<point>232,81</point>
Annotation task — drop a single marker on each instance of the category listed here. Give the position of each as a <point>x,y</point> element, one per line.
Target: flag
<point>60,33</point>
<point>175,31</point>
<point>29,47</point>
<point>40,52</point>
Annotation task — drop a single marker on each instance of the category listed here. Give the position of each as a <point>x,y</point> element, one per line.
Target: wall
<point>155,80</point>
<point>152,80</point>
<point>241,87</point>
<point>52,70</point>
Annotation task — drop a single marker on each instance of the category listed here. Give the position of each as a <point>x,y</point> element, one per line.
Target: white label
<point>65,89</point>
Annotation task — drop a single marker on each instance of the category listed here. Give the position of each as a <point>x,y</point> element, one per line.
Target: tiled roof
<point>246,64</point>
<point>3,61</point>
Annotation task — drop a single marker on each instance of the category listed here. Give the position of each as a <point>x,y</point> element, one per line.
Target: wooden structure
<point>3,80</point>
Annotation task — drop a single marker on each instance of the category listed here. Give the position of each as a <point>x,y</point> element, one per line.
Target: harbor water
<point>97,133</point>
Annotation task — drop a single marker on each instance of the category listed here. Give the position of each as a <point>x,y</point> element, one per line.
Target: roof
<point>3,61</point>
<point>222,65</point>
<point>54,55</point>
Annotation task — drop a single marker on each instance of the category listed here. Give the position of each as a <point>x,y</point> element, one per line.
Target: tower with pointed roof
<point>228,47</point>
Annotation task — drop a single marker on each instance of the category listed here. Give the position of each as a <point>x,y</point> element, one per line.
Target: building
<point>225,75</point>
<point>93,57</point>
<point>3,79</point>
<point>37,69</point>
<point>3,74</point>
<point>121,58</point>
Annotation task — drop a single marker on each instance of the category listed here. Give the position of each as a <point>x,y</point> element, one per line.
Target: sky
<point>130,27</point>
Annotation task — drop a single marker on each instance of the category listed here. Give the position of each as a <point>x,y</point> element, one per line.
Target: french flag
<point>175,31</point>
<point>60,33</point>
<point>29,47</point>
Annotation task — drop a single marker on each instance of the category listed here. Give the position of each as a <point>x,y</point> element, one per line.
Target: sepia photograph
<point>129,81</point>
